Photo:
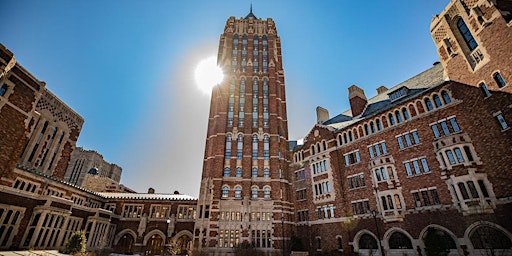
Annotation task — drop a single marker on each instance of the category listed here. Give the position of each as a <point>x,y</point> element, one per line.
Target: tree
<point>77,242</point>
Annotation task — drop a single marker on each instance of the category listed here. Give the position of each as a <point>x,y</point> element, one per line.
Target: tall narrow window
<point>446,97</point>
<point>405,113</point>
<point>437,101</point>
<point>254,146</point>
<point>499,80</point>
<point>266,192</point>
<point>466,34</point>
<point>225,191</point>
<point>238,172</point>
<point>254,192</point>
<point>265,103</point>
<point>391,119</point>
<point>255,54</point>
<point>226,172</point>
<point>3,89</point>
<point>240,144</point>
<point>429,105</point>
<point>227,154</point>
<point>502,121</point>
<point>484,88</point>
<point>255,103</point>
<point>398,116</point>
<point>254,172</point>
<point>234,61</point>
<point>241,108</point>
<point>265,54</point>
<point>244,53</point>
<point>238,192</point>
<point>266,173</point>
<point>266,153</point>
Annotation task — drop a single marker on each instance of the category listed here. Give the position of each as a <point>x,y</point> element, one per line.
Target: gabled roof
<point>145,196</point>
<point>381,102</point>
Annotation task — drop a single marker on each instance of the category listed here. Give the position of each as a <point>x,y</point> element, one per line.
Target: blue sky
<point>127,67</point>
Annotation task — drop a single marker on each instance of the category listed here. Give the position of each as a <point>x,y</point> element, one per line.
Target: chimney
<point>381,89</point>
<point>151,191</point>
<point>357,100</point>
<point>322,115</point>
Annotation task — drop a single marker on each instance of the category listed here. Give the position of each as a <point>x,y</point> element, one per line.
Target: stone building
<point>244,197</point>
<point>83,161</point>
<point>425,164</point>
<point>40,210</point>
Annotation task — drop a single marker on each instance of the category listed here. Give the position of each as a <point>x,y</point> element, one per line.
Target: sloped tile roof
<point>145,196</point>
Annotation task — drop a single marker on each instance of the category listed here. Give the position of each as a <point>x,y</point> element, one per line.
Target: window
<point>502,121</point>
<point>3,89</point>
<point>499,80</point>
<point>484,89</point>
<point>379,149</point>
<point>266,192</point>
<point>361,207</point>
<point>254,146</point>
<point>254,192</point>
<point>303,215</point>
<point>159,211</point>
<point>226,172</point>
<point>419,165</point>
<point>352,158</point>
<point>379,125</point>
<point>225,191</point>
<point>238,192</point>
<point>457,156</point>
<point>227,153</point>
<point>426,197</point>
<point>266,154</point>
<point>437,101</point>
<point>300,194</point>
<point>446,97</point>
<point>238,172</point>
<point>380,174</point>
<point>466,34</point>
<point>186,212</point>
<point>239,146</point>
<point>445,127</point>
<point>411,139</point>
<point>405,113</point>
<point>9,220</point>
<point>266,173</point>
<point>261,238</point>
<point>391,119</point>
<point>229,238</point>
<point>132,210</point>
<point>265,103</point>
<point>399,241</point>
<point>254,172</point>
<point>398,116</point>
<point>429,105</point>
<point>356,181</point>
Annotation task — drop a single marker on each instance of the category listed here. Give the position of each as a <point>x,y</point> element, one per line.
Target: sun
<point>208,74</point>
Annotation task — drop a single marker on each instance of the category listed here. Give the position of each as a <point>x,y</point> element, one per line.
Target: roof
<point>251,15</point>
<point>145,196</point>
<point>381,102</point>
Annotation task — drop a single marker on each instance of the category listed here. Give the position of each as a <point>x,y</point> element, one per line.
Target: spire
<point>251,15</point>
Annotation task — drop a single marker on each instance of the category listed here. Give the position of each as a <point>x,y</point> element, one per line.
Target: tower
<point>244,200</point>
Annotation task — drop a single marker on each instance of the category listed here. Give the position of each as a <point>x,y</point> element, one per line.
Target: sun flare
<point>208,74</point>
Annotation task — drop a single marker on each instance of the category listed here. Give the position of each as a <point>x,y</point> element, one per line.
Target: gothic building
<point>424,165</point>
<point>244,197</point>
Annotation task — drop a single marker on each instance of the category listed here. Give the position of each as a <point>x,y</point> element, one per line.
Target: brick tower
<point>244,201</point>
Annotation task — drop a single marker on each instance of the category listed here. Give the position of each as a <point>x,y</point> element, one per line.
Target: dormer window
<point>398,93</point>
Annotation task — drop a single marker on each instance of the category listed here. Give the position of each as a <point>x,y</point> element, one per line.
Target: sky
<point>127,67</point>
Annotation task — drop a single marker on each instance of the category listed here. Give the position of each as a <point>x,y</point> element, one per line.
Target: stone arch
<point>479,224</point>
<point>358,236</point>
<point>420,107</point>
<point>412,110</point>
<point>393,230</point>
<point>122,233</point>
<point>151,233</point>
<point>450,234</point>
<point>182,233</point>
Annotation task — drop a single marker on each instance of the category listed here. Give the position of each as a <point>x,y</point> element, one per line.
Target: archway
<point>181,242</point>
<point>438,242</point>
<point>489,240</point>
<point>155,245</point>
<point>125,244</point>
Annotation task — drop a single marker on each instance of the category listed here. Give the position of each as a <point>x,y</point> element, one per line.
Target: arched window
<point>466,34</point>
<point>399,241</point>
<point>379,125</point>
<point>345,138</point>
<point>367,242</point>
<point>438,238</point>
<point>490,238</point>
<point>254,192</point>
<point>446,97</point>
<point>244,53</point>
<point>429,105</point>
<point>266,151</point>
<point>266,192</point>
<point>266,173</point>
<point>340,244</point>
<point>437,101</point>
<point>350,136</point>
<point>312,149</point>
<point>265,53</point>
<point>372,127</point>
<point>398,203</point>
<point>238,192</point>
<point>234,61</point>
<point>318,148</point>
<point>254,146</point>
<point>226,172</point>
<point>240,143</point>
<point>227,154</point>
<point>225,191</point>
<point>254,172</point>
<point>340,140</point>
<point>398,116</point>
<point>239,172</point>
<point>391,119</point>
<point>405,113</point>
<point>366,129</point>
<point>499,80</point>
<point>324,144</point>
